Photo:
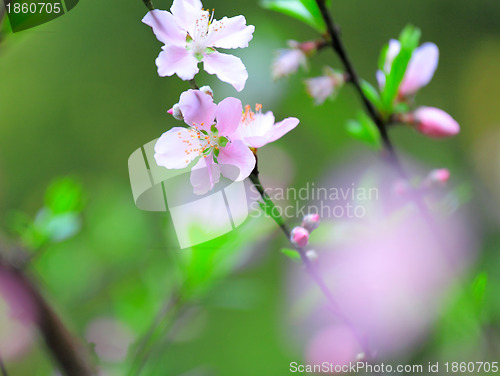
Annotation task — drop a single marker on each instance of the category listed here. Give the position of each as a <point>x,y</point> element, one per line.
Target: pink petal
<point>204,175</point>
<point>228,116</point>
<point>236,154</point>
<point>228,68</point>
<point>197,108</point>
<point>392,52</point>
<point>186,12</point>
<point>164,27</point>
<point>282,128</point>
<point>256,128</point>
<point>177,60</point>
<point>421,68</point>
<point>436,123</point>
<point>175,148</point>
<point>231,33</point>
<point>380,79</point>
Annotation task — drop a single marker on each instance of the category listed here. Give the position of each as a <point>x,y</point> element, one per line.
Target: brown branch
<point>67,352</point>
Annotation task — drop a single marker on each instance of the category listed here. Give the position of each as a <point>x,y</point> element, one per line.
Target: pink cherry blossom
<point>191,36</point>
<point>257,129</point>
<point>210,139</point>
<point>311,222</point>
<point>299,237</point>
<point>434,122</point>
<point>289,60</point>
<point>420,70</point>
<point>320,88</point>
<point>437,177</point>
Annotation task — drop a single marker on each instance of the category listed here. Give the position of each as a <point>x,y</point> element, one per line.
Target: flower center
<point>249,115</point>
<point>198,43</point>
<point>209,142</point>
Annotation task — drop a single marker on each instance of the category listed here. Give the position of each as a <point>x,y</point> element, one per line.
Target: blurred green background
<point>79,94</point>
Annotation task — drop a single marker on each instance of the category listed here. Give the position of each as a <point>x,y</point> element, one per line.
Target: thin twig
<point>310,268</point>
<point>2,368</point>
<point>62,345</point>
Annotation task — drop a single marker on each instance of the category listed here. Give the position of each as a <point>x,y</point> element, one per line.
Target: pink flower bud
<point>437,177</point>
<point>289,60</point>
<point>176,112</point>
<point>434,122</point>
<point>207,90</point>
<point>299,237</point>
<point>320,88</point>
<point>311,222</point>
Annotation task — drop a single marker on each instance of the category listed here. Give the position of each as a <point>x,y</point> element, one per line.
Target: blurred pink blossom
<point>289,60</point>
<point>434,122</point>
<point>420,70</point>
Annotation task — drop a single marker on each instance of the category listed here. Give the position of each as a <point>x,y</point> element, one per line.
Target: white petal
<point>164,27</point>
<point>197,108</point>
<point>228,116</point>
<point>421,68</point>
<point>204,175</point>
<point>186,12</point>
<point>177,60</point>
<point>176,148</point>
<point>236,154</point>
<point>228,68</point>
<point>231,33</point>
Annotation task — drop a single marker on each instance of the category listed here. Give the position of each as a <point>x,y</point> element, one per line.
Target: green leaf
<point>364,129</point>
<point>306,11</point>
<point>291,253</point>
<point>382,57</point>
<point>371,93</point>
<point>65,195</point>
<point>409,39</point>
<point>479,289</point>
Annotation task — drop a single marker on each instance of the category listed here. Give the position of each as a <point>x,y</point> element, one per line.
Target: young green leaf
<point>306,11</point>
<point>291,253</point>
<point>409,39</point>
<point>371,93</point>
<point>364,130</point>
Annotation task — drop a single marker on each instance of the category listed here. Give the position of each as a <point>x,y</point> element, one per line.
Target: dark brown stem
<point>338,47</point>
<point>310,268</point>
<point>62,345</point>
<point>149,4</point>
<point>2,368</point>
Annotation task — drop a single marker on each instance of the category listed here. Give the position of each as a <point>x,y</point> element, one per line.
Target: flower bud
<point>437,177</point>
<point>288,60</point>
<point>311,222</point>
<point>434,122</point>
<point>312,255</point>
<point>176,112</point>
<point>320,88</point>
<point>207,90</point>
<point>299,237</point>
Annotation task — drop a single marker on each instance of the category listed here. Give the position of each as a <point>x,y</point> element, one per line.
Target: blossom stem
<point>310,268</point>
<point>338,47</point>
<point>193,84</point>
<point>60,342</point>
<point>149,4</point>
<point>2,368</point>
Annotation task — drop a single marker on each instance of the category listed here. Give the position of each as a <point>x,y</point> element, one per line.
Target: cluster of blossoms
<point>221,138</point>
<point>299,236</point>
<point>430,121</point>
